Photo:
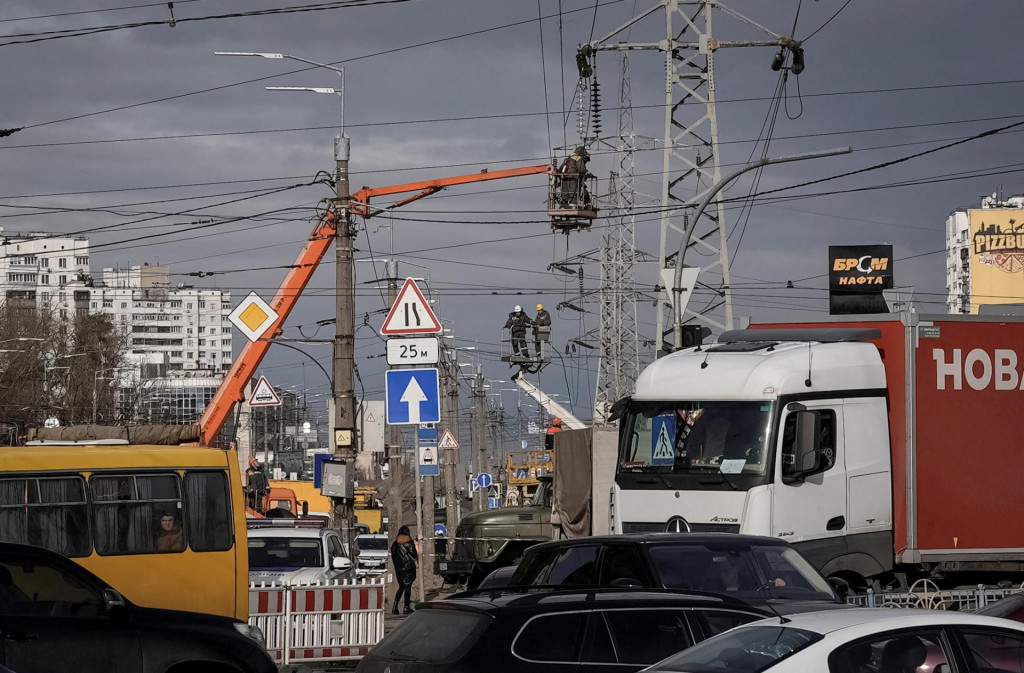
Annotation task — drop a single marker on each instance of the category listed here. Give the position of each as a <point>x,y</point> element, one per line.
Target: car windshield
<point>748,571</point>
<point>284,552</point>
<point>375,543</point>
<point>743,650</point>
<point>697,437</point>
<point>431,636</point>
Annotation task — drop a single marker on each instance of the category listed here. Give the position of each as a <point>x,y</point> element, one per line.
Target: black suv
<point>57,616</point>
<point>622,630</point>
<point>763,571</point>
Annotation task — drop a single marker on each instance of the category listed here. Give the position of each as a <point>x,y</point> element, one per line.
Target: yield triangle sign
<point>448,440</point>
<point>411,313</point>
<point>264,395</point>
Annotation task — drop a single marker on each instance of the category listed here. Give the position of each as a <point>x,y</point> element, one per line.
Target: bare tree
<point>52,368</point>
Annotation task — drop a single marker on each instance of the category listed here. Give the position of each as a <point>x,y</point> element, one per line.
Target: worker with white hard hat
<point>517,323</point>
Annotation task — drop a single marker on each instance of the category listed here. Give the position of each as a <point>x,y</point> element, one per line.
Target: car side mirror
<point>340,563</point>
<point>114,602</point>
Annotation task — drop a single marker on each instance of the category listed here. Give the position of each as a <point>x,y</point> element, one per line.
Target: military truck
<point>495,538</point>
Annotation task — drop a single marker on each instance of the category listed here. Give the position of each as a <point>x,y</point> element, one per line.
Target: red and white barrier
<point>328,621</point>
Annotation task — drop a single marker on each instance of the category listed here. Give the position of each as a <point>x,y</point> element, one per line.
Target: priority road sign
<point>411,313</point>
<point>253,317</point>
<point>412,396</point>
<point>264,395</point>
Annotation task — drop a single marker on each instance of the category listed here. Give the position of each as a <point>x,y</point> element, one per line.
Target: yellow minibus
<point>164,525</point>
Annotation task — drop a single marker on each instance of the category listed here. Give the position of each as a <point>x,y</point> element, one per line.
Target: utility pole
<point>450,420</point>
<point>345,432</point>
<point>394,443</point>
<point>479,438</point>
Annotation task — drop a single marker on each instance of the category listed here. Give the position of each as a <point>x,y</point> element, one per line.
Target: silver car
<point>297,555</point>
<point>373,554</point>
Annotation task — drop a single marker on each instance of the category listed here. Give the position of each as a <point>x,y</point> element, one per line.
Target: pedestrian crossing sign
<point>662,433</point>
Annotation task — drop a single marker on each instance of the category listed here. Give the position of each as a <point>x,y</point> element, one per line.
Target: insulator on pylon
<point>595,109</point>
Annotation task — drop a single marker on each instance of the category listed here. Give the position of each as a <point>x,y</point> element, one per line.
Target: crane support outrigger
<point>232,389</point>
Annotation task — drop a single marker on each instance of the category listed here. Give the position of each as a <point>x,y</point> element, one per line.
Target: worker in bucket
<point>541,328</point>
<point>572,175</point>
<point>549,437</point>
<point>517,323</point>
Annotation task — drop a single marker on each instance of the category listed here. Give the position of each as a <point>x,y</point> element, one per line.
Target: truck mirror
<point>807,444</point>
<point>305,508</point>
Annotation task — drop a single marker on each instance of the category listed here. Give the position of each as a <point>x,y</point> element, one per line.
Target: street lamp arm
<point>677,280</point>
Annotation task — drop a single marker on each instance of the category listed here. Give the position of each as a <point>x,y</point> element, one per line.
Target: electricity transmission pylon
<point>690,156</point>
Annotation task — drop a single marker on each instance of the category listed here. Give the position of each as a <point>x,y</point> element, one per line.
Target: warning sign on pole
<point>448,440</point>
<point>264,395</point>
<point>411,313</point>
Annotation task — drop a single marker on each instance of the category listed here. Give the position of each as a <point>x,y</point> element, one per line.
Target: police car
<point>287,551</point>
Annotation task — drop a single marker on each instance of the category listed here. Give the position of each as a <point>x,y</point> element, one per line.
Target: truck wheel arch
<point>853,566</point>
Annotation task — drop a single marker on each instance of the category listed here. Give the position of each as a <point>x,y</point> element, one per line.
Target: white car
<point>373,554</point>
<point>296,555</point>
<point>865,640</point>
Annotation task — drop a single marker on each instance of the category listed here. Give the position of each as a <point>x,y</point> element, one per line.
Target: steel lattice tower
<point>618,339</point>
<point>690,158</point>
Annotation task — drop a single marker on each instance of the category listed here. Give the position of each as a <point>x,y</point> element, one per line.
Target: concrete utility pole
<point>479,438</point>
<point>450,420</point>
<point>344,421</point>
<point>394,443</point>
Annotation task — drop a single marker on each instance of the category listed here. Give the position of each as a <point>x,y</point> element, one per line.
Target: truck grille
<point>655,527</point>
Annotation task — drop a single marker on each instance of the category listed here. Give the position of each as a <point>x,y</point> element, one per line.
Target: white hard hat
<point>518,308</point>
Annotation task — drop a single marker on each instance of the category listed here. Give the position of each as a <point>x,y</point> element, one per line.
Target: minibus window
<point>208,511</point>
<point>127,510</point>
<point>47,513</point>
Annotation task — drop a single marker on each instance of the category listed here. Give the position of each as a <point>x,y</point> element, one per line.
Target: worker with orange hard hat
<point>554,429</point>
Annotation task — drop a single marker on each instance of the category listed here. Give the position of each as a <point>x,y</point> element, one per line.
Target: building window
<point>62,262</point>
<point>63,314</point>
<point>45,296</point>
<point>44,262</point>
<point>62,280</point>
<point>201,330</point>
<point>226,306</point>
<point>108,303</point>
<point>176,304</point>
<point>94,304</point>
<point>124,304</point>
<point>81,261</point>
<point>202,304</point>
<point>44,279</point>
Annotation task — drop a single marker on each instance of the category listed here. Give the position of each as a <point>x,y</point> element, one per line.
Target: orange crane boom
<point>232,389</point>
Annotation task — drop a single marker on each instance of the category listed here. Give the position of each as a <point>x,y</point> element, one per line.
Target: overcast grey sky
<point>124,125</point>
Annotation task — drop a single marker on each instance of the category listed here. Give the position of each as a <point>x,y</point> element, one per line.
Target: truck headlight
<point>250,631</point>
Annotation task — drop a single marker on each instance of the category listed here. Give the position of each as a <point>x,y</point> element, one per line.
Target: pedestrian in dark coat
<point>404,558</point>
<point>517,323</point>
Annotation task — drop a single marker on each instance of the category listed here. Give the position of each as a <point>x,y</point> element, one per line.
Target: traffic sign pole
<point>419,518</point>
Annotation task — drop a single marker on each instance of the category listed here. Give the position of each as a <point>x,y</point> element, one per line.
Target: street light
<point>677,281</point>
<point>312,89</point>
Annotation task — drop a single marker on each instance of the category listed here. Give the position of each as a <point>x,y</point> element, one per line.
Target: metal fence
<point>926,594</point>
<point>319,622</point>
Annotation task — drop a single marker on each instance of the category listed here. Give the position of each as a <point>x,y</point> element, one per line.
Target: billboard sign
<point>857,275</point>
<point>997,257</point>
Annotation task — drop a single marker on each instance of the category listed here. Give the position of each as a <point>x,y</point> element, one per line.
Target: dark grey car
<point>57,616</point>
<point>763,571</point>
<point>618,630</point>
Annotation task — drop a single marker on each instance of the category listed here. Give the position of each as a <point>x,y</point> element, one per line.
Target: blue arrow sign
<point>483,480</point>
<point>440,530</point>
<point>412,396</point>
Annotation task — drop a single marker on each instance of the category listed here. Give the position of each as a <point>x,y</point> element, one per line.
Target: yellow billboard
<point>997,257</point>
